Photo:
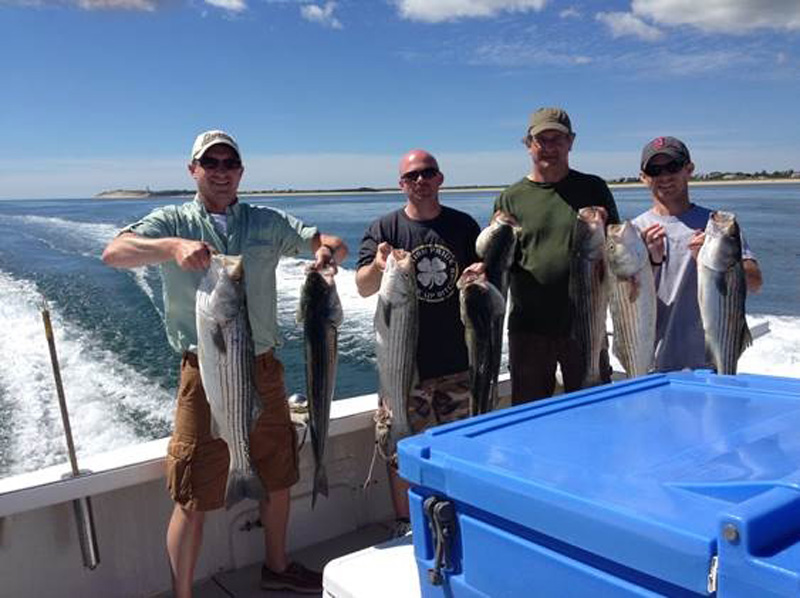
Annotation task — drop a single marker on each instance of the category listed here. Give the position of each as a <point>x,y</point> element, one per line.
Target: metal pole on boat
<point>82,506</point>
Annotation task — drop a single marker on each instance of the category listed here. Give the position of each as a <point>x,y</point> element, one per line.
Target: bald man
<point>442,244</point>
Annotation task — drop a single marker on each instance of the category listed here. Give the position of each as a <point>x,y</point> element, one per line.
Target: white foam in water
<point>84,238</point>
<point>99,389</point>
<point>356,332</point>
<point>778,352</point>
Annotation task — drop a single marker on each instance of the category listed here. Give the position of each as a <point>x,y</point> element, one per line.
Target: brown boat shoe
<point>295,578</point>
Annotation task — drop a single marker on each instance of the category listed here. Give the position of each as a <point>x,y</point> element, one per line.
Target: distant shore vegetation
<point>710,177</point>
<point>728,176</point>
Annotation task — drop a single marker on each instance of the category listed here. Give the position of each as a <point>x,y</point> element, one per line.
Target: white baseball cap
<point>209,138</point>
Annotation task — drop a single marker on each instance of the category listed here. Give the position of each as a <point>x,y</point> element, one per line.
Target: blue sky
<point>100,94</point>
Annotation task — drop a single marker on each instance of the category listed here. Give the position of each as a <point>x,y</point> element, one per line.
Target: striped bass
<point>482,312</point>
<point>320,311</point>
<point>588,289</point>
<point>225,356</point>
<point>396,329</point>
<point>632,298</point>
<point>496,245</point>
<point>721,292</point>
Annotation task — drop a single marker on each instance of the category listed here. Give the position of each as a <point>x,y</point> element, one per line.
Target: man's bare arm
<point>368,278</point>
<point>130,250</point>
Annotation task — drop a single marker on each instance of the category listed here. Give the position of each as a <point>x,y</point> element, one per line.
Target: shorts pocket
<point>179,471</point>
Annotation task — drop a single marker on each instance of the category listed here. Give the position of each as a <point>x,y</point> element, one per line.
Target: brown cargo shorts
<point>197,463</point>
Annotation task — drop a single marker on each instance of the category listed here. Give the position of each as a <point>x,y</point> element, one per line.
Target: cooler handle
<point>442,517</point>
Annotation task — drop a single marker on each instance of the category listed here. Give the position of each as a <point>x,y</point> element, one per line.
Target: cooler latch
<point>442,517</point>
<point>713,570</point>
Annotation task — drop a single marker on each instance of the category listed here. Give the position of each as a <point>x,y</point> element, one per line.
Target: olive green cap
<point>549,118</point>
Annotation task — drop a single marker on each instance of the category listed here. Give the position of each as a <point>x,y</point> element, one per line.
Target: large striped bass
<point>482,312</point>
<point>396,330</point>
<point>495,246</point>
<point>320,311</point>
<point>588,289</point>
<point>632,298</point>
<point>721,292</point>
<point>225,356</point>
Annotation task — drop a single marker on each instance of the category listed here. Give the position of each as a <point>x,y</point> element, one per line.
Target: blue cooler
<point>684,484</point>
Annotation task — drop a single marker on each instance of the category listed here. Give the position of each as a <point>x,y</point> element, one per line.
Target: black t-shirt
<point>441,248</point>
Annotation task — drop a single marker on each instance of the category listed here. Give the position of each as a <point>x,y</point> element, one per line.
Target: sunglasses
<point>653,170</point>
<point>554,140</point>
<point>425,173</point>
<point>209,163</point>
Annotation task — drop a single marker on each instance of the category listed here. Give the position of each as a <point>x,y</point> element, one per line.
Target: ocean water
<point>119,372</point>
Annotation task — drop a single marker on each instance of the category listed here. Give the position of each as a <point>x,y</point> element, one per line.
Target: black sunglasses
<point>425,173</point>
<point>653,170</point>
<point>209,163</point>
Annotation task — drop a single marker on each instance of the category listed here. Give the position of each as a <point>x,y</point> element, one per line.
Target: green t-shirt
<point>261,235</point>
<point>546,213</point>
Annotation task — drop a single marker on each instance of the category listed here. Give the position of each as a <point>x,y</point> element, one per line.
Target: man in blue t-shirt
<point>673,230</point>
<point>441,241</point>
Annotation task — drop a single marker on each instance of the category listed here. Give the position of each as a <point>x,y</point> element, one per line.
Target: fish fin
<point>720,282</point>
<point>337,313</point>
<point>634,288</point>
<point>747,337</point>
<point>218,339</point>
<point>384,312</point>
<point>600,269</point>
<point>215,430</point>
<point>320,484</point>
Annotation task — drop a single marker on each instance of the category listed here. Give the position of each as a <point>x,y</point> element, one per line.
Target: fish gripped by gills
<point>632,298</point>
<point>722,291</point>
<point>588,289</point>
<point>482,312</point>
<point>495,246</point>
<point>226,359</point>
<point>320,312</point>
<point>396,330</point>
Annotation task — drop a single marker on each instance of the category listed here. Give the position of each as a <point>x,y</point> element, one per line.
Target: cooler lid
<point>645,472</point>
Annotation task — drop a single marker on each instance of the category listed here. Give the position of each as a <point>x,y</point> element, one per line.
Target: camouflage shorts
<point>438,401</point>
<point>431,402</point>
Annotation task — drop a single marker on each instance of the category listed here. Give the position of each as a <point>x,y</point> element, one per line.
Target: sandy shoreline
<point>487,189</point>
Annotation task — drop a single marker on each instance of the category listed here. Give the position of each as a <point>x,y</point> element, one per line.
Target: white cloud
<point>570,13</point>
<point>688,63</point>
<point>437,11</point>
<point>520,54</point>
<point>732,16</point>
<point>625,24</point>
<point>321,14</point>
<point>145,5</point>
<point>230,5</point>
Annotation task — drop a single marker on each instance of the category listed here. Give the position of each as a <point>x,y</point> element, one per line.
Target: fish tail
<point>320,484</point>
<point>242,484</point>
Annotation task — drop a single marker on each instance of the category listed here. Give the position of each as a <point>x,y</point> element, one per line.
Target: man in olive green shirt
<point>545,205</point>
<point>180,239</point>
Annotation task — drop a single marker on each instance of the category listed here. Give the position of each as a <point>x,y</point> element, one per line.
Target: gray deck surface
<point>245,582</point>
